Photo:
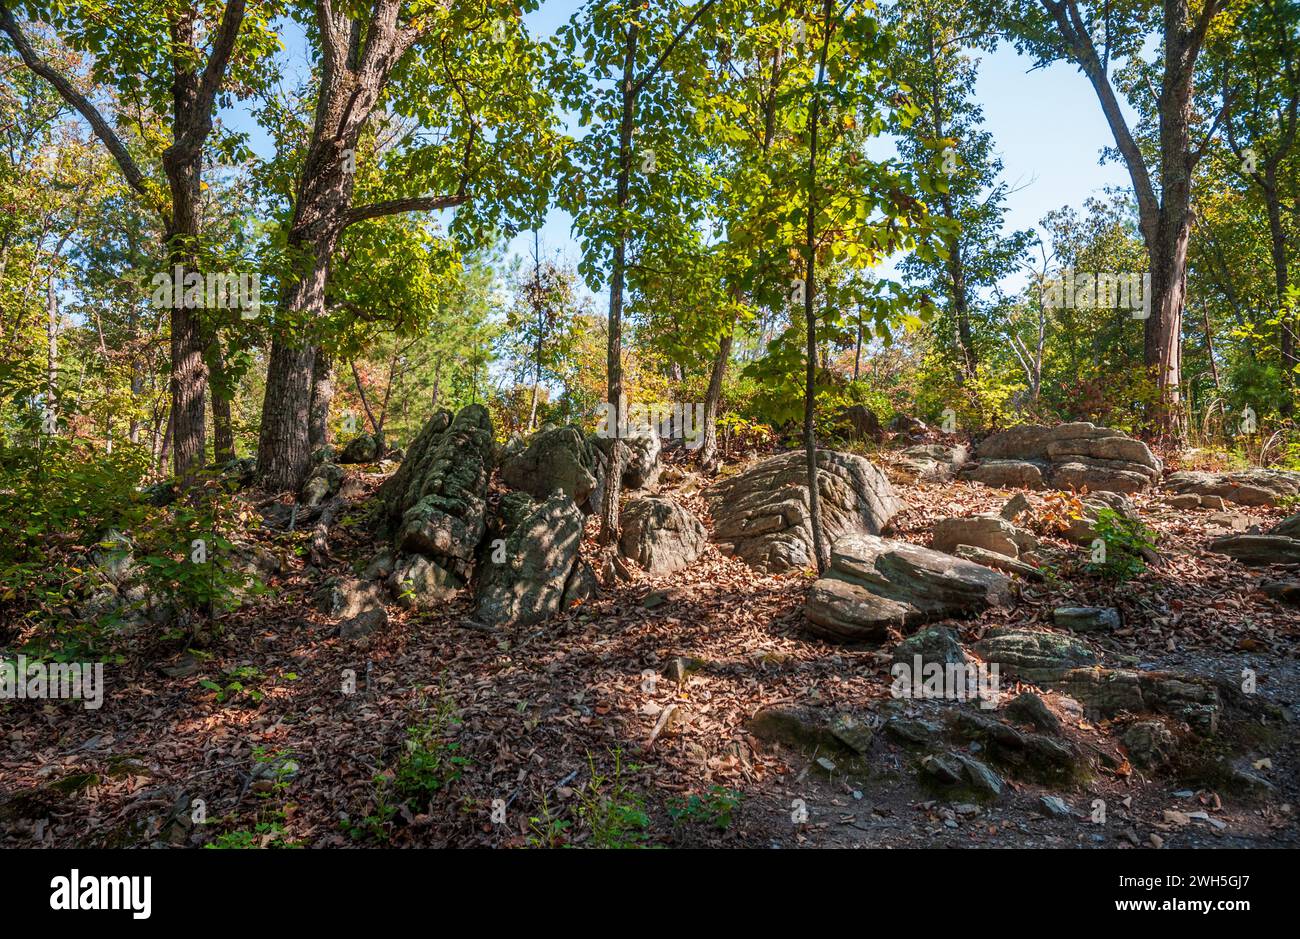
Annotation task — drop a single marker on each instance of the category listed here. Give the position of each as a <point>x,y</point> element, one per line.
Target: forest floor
<point>556,723</point>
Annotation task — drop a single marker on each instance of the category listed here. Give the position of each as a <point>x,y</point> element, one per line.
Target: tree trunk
<point>1277,237</point>
<point>857,348</point>
<point>1164,219</point>
<point>223,431</point>
<point>821,555</point>
<point>708,454</point>
<point>51,351</point>
<point>322,396</point>
<point>614,349</point>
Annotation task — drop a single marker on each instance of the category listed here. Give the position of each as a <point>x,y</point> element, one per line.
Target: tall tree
<point>175,56</point>
<point>1257,67</point>
<point>1091,34</point>
<point>627,44</point>
<point>463,66</point>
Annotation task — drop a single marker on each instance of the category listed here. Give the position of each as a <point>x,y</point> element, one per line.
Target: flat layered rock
<point>999,562</point>
<point>761,515</point>
<point>874,584</point>
<point>1007,474</point>
<point>1262,487</point>
<point>1067,456</point>
<point>1259,550</point>
<point>989,532</point>
<point>1034,655</point>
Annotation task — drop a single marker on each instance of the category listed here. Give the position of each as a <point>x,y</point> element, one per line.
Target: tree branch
<point>652,70</point>
<point>80,102</point>
<point>397,206</point>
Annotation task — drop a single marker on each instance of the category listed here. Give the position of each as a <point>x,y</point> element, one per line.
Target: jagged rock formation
<point>437,500</point>
<point>761,515</point>
<point>524,577</point>
<point>874,584</point>
<point>1068,456</point>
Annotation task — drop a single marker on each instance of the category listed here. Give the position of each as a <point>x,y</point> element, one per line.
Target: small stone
<point>654,599</point>
<point>1054,807</point>
<point>853,733</point>
<point>826,764</point>
<point>1031,709</point>
<point>981,777</point>
<point>1087,619</point>
<point>943,769</point>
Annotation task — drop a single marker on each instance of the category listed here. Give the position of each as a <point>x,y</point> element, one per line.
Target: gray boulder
<point>642,466</point>
<point>420,584</point>
<point>555,458</point>
<point>1006,474</point>
<point>1034,655</point>
<point>363,448</point>
<point>323,482</point>
<point>874,584</point>
<point>934,460</point>
<point>525,580</point>
<point>1258,550</point>
<point>989,532</point>
<point>761,515</point>
<point>933,644</point>
<point>660,535</point>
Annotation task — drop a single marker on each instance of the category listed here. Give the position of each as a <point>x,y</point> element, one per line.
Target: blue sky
<point>1047,127</point>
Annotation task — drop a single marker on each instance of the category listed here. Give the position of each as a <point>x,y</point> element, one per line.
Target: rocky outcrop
<point>874,584</point>
<point>1070,666</point>
<point>1261,487</point>
<point>1034,655</point>
<point>523,577</point>
<point>1068,456</point>
<point>761,515</point>
<point>660,535</point>
<point>437,502</point>
<point>556,458</point>
<point>934,460</point>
